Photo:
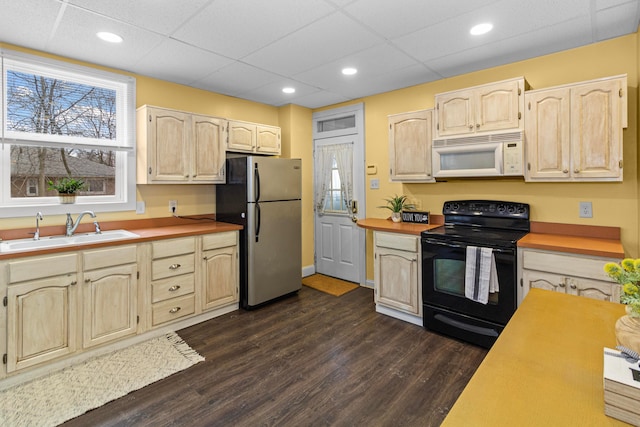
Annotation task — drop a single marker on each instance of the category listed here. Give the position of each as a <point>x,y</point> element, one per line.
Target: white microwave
<point>479,156</point>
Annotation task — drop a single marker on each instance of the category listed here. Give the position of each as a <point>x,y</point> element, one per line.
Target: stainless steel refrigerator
<point>263,194</point>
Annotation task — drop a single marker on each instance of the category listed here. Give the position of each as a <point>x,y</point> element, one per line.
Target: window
<point>334,201</point>
<point>61,120</point>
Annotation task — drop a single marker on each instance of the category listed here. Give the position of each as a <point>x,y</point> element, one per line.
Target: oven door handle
<point>461,246</point>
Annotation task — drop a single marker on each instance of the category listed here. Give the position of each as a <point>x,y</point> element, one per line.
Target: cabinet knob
<point>87,280</point>
<point>174,310</point>
<point>73,283</point>
<point>573,287</point>
<point>562,285</point>
<point>470,127</point>
<point>174,288</point>
<point>565,170</point>
<point>576,171</point>
<point>174,266</point>
<point>478,126</point>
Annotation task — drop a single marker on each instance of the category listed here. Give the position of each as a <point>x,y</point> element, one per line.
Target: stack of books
<point>621,389</point>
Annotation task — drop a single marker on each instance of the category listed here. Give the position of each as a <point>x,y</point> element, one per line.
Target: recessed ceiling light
<point>481,29</point>
<point>109,37</point>
<point>289,90</point>
<point>349,71</point>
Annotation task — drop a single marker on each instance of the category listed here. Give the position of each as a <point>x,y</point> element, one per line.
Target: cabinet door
<point>241,136</point>
<point>268,139</point>
<point>396,279</point>
<point>220,277</point>
<point>410,146</point>
<point>41,320</point>
<point>542,280</point>
<point>593,289</point>
<point>110,304</point>
<point>169,145</point>
<point>596,130</point>
<point>498,106</point>
<point>548,135</point>
<point>455,115</point>
<point>208,148</point>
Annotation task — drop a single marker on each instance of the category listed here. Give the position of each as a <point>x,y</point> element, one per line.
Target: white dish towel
<point>481,277</point>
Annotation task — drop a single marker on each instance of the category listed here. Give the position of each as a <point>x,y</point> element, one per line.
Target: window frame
<point>124,145</point>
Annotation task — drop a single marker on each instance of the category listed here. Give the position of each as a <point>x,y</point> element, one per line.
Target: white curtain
<point>325,154</point>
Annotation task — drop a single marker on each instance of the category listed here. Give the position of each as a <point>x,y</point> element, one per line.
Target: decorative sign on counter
<point>415,216</point>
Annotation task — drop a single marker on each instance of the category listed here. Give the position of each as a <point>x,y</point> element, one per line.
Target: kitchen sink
<point>18,245</point>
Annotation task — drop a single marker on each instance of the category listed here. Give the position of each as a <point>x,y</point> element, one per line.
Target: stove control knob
<point>455,207</point>
<point>501,208</point>
<point>446,207</point>
<point>521,209</point>
<point>511,209</point>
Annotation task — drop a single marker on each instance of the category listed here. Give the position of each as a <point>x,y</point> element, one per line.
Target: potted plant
<point>396,204</point>
<point>627,274</point>
<point>67,188</point>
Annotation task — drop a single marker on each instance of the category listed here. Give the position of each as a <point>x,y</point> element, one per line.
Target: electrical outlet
<point>374,184</point>
<point>173,206</point>
<point>586,210</point>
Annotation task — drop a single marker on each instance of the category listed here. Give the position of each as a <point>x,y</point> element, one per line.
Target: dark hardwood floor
<point>309,360</point>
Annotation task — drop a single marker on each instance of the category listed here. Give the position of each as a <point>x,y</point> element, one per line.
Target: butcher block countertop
<point>578,239</point>
<point>379,224</point>
<point>546,367</point>
<point>146,229</point>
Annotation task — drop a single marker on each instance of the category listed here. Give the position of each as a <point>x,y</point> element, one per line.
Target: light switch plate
<point>374,184</point>
<point>140,207</point>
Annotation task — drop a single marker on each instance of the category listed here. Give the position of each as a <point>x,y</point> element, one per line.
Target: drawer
<point>172,266</point>
<point>397,241</point>
<point>172,309</point>
<point>41,267</point>
<point>172,287</point>
<point>219,240</point>
<point>571,265</point>
<point>172,247</point>
<point>109,257</point>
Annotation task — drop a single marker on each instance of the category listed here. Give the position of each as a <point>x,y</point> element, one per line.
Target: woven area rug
<point>329,285</point>
<point>66,394</point>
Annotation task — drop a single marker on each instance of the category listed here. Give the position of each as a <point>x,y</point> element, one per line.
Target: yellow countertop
<point>545,369</point>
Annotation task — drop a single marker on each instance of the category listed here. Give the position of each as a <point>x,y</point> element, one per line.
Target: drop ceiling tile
<point>394,19</point>
<point>326,40</point>
<point>236,78</point>
<point>76,38</point>
<point>318,99</point>
<point>272,93</point>
<point>548,40</point>
<point>381,59</point>
<point>604,4</point>
<point>41,20</point>
<point>180,63</point>
<point>608,21</point>
<point>236,28</point>
<point>163,17</point>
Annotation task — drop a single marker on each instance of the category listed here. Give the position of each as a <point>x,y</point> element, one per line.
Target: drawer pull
<point>174,288</point>
<point>174,266</point>
<point>174,310</point>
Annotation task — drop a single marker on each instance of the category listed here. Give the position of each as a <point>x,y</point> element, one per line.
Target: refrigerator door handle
<point>257,181</point>
<point>257,221</point>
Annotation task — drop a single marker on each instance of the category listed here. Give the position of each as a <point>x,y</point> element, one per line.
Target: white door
<point>339,242</point>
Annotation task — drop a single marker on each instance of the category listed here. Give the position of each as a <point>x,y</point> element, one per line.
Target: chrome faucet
<point>71,227</point>
<point>36,235</point>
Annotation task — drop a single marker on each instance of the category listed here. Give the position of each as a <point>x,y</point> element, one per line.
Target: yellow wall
<point>614,204</point>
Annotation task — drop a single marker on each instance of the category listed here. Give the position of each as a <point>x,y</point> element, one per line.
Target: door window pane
<point>334,202</point>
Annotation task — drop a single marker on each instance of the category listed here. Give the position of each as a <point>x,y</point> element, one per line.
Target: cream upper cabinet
<point>109,293</point>
<point>410,138</point>
<point>219,269</point>
<point>568,273</point>
<point>397,274</point>
<point>42,310</point>
<point>176,147</point>
<point>574,132</point>
<point>480,109</point>
<point>246,137</point>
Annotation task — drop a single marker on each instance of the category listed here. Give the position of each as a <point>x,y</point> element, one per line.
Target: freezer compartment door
<point>274,255</point>
<point>270,178</point>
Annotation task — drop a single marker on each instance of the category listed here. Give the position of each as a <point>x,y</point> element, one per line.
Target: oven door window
<point>449,277</point>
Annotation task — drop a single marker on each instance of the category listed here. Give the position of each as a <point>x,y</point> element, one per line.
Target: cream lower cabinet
<point>574,132</point>
<point>567,273</point>
<point>109,294</point>
<point>219,278</point>
<point>42,310</point>
<point>410,136</point>
<point>398,276</point>
<point>173,265</point>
